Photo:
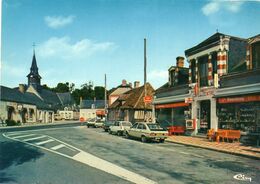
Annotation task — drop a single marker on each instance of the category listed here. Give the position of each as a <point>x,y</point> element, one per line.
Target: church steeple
<point>34,78</point>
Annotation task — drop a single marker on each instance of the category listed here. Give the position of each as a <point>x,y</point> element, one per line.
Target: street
<point>77,154</point>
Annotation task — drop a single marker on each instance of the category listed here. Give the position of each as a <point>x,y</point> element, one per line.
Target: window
<point>141,126</point>
<point>214,63</point>
<point>135,125</point>
<point>256,55</point>
<point>193,71</point>
<point>203,70</point>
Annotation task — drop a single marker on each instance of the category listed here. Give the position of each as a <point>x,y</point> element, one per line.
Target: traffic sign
<point>148,99</point>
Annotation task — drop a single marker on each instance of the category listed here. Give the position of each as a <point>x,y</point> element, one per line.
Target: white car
<point>98,124</point>
<point>147,131</point>
<point>120,127</point>
<point>91,123</point>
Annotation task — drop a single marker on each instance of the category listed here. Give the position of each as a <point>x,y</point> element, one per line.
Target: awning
<point>237,90</point>
<point>172,105</point>
<point>241,99</point>
<point>170,99</point>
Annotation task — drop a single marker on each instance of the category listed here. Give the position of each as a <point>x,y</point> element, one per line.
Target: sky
<point>79,41</point>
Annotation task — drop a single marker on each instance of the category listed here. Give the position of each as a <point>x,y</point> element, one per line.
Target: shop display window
<point>244,117</point>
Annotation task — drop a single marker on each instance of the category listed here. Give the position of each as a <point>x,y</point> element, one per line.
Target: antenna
<point>33,47</point>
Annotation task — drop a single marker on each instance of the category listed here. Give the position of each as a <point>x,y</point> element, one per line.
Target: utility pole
<point>105,97</point>
<point>145,60</point>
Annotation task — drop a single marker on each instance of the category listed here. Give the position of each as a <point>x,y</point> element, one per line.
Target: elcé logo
<point>242,177</point>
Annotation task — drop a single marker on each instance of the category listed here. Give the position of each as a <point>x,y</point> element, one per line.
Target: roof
<point>49,97</point>
<point>65,98</point>
<point>34,68</point>
<point>14,95</point>
<point>133,99</point>
<point>120,90</point>
<point>208,43</point>
<point>240,78</point>
<point>87,104</point>
<point>165,91</point>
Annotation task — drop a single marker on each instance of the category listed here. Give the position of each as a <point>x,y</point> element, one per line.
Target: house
<point>90,109</point>
<point>130,106</point>
<point>169,99</point>
<point>115,93</point>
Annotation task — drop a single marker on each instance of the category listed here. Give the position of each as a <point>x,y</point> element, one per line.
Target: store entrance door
<point>204,118</point>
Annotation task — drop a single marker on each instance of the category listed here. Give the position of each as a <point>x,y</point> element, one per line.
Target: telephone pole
<point>105,97</point>
<point>145,60</point>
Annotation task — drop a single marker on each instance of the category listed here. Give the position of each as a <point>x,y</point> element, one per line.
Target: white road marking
<point>34,138</point>
<point>21,136</point>
<point>44,142</point>
<point>110,168</point>
<point>58,147</point>
<point>14,133</point>
<point>95,162</point>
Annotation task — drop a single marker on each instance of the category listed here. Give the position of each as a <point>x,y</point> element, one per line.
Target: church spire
<point>34,78</point>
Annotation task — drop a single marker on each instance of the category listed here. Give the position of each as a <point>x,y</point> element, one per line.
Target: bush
<point>12,123</point>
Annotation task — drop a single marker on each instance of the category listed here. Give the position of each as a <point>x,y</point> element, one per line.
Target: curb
<point>212,149</point>
<point>30,127</point>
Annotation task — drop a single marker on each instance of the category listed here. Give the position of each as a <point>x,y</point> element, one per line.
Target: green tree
<point>99,92</point>
<point>62,88</point>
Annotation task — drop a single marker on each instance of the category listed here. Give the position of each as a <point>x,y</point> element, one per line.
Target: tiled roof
<point>14,95</point>
<point>49,97</point>
<point>65,98</point>
<point>87,104</point>
<point>133,99</point>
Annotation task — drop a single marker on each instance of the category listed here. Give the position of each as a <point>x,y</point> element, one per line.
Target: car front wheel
<point>109,131</point>
<point>119,133</point>
<point>143,139</point>
<point>127,135</point>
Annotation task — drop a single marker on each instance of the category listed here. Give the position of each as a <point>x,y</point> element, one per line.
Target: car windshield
<point>126,124</point>
<point>109,123</point>
<point>154,127</point>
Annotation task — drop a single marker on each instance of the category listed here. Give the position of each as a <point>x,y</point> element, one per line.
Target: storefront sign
<point>172,105</point>
<point>252,98</point>
<point>188,100</point>
<point>206,92</point>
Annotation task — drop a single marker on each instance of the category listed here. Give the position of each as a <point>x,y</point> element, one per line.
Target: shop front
<point>172,114</point>
<point>239,112</point>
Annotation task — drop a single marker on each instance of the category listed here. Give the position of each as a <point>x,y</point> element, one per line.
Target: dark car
<point>107,124</point>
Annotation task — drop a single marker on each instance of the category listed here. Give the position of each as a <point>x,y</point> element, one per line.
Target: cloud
<point>158,74</point>
<point>56,22</point>
<point>215,6</point>
<point>13,70</point>
<point>63,48</point>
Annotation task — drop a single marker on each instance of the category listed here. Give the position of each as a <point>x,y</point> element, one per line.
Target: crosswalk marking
<point>58,147</point>
<point>21,136</point>
<point>34,138</point>
<point>44,142</point>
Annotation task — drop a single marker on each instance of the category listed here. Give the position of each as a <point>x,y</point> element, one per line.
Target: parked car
<point>147,132</point>
<point>120,127</point>
<point>107,124</point>
<point>99,123</point>
<point>91,122</point>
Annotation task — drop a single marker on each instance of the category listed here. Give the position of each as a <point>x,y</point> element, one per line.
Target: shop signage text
<point>172,105</point>
<point>252,98</point>
<point>148,99</point>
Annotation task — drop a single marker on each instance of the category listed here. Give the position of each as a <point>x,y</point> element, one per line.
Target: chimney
<point>22,88</point>
<point>180,61</point>
<point>130,84</point>
<point>124,82</point>
<point>136,84</point>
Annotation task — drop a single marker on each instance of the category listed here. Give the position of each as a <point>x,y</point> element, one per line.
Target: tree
<point>62,88</point>
<point>99,92</point>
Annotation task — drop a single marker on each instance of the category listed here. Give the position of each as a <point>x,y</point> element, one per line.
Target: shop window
<point>256,55</point>
<point>193,71</point>
<point>203,70</point>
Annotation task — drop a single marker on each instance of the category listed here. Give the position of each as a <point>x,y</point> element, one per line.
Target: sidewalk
<point>235,148</point>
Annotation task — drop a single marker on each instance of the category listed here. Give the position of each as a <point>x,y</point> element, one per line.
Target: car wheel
<point>161,140</point>
<point>88,126</point>
<point>106,130</point>
<point>119,133</point>
<point>143,139</point>
<point>127,135</point>
<point>109,131</point>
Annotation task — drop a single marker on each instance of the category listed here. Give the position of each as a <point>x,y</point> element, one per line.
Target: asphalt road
<point>77,154</point>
